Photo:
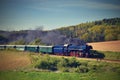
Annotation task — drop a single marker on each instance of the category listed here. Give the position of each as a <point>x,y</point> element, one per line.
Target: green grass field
<point>21,75</point>
<point>107,54</point>
<point>111,55</point>
<point>34,70</point>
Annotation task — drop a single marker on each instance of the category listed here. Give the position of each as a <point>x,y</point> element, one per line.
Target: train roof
<point>44,46</point>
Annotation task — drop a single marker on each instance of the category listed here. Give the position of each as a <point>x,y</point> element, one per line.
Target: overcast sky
<point>52,14</point>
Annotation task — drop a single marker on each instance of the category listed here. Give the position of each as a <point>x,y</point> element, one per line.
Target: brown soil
<point>13,60</point>
<point>106,46</point>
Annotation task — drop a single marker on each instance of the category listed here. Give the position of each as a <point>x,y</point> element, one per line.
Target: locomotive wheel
<point>86,55</point>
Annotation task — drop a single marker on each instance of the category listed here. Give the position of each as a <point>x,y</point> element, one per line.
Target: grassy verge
<point>106,54</point>
<point>11,75</point>
<point>111,55</point>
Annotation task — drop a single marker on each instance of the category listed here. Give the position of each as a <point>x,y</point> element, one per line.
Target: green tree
<point>86,37</point>
<point>111,33</point>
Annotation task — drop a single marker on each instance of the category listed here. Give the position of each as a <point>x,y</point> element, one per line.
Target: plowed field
<point>106,46</point>
<point>13,60</point>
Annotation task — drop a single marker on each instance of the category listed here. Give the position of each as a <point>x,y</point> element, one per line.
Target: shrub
<point>62,63</point>
<point>43,65</point>
<point>47,63</point>
<point>81,69</point>
<point>84,63</point>
<point>73,62</point>
<point>34,59</point>
<point>64,69</point>
<point>94,68</point>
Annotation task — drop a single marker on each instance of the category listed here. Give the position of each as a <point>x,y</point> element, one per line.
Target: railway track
<point>108,60</point>
<point>56,49</point>
<point>102,60</point>
<point>91,59</point>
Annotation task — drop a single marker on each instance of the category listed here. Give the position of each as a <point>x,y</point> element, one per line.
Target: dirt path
<point>103,60</point>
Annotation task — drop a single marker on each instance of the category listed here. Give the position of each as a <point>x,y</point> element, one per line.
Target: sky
<point>52,14</point>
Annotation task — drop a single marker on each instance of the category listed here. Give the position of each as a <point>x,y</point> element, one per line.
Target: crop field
<point>16,65</point>
<point>10,60</point>
<point>106,46</point>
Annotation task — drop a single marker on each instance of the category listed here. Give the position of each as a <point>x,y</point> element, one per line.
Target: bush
<point>94,68</point>
<point>62,63</point>
<point>34,59</point>
<point>81,69</point>
<point>43,65</point>
<point>70,64</point>
<point>84,63</point>
<point>47,63</point>
<point>73,62</point>
<point>64,69</point>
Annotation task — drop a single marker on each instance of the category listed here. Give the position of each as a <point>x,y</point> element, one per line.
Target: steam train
<point>64,50</point>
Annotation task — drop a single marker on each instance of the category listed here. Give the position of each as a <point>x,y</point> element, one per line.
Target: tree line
<point>102,30</point>
<point>96,31</point>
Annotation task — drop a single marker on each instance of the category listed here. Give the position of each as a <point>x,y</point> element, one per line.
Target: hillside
<point>96,31</point>
<point>37,37</point>
<point>106,46</point>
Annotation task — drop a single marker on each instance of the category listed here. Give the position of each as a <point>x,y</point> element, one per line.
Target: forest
<point>102,30</point>
<point>95,31</point>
